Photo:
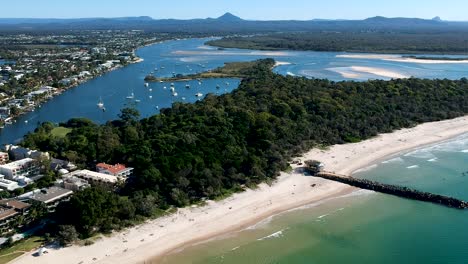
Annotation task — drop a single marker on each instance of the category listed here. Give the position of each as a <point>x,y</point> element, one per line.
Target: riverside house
<point>13,214</point>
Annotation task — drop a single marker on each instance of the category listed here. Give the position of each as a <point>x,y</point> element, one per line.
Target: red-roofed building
<point>118,170</point>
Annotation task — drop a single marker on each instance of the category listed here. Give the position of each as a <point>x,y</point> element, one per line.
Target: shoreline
<point>157,238</point>
<point>70,87</point>
<point>399,58</point>
<point>357,72</point>
<point>343,159</point>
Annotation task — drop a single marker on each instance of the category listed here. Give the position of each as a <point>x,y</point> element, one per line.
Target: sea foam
<point>394,160</point>
<point>368,168</point>
<point>274,235</point>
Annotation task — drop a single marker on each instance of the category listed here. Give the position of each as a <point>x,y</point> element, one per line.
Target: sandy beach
<point>281,63</point>
<point>291,190</point>
<point>356,72</point>
<point>399,58</point>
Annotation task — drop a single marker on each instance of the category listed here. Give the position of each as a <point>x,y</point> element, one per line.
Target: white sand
<point>358,72</point>
<point>399,58</point>
<point>191,225</point>
<point>347,158</point>
<point>281,63</point>
<point>368,56</point>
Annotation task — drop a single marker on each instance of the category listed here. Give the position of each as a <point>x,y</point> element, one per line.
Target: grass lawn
<point>19,249</point>
<point>7,258</point>
<point>60,131</point>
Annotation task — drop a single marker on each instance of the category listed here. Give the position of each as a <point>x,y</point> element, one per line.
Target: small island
<point>229,70</point>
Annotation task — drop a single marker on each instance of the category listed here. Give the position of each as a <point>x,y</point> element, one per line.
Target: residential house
<point>12,215</point>
<point>60,165</point>
<point>21,168</point>
<point>3,158</point>
<point>8,184</point>
<point>96,178</point>
<point>73,183</point>
<point>51,197</point>
<point>17,153</point>
<point>119,170</point>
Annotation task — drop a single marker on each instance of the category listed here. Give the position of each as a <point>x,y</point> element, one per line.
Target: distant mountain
<point>229,23</point>
<point>228,17</point>
<point>437,18</point>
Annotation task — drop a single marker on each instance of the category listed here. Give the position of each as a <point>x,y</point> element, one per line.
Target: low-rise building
<point>3,158</point>
<point>51,197</point>
<point>21,168</point>
<point>97,178</point>
<point>73,183</point>
<point>58,164</point>
<point>17,153</point>
<point>7,184</point>
<point>119,170</point>
<point>12,214</point>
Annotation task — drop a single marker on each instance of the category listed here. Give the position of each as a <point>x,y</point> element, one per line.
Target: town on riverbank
<point>37,67</point>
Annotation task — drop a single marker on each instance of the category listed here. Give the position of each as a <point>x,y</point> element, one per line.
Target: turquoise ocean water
<point>363,227</point>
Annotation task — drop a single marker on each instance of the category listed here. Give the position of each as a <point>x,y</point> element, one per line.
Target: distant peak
<point>229,17</point>
<point>377,18</point>
<point>437,18</point>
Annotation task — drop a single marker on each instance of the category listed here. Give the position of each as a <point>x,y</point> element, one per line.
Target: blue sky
<point>248,9</point>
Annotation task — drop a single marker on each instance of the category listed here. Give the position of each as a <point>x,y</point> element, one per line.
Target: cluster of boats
<point>172,88</point>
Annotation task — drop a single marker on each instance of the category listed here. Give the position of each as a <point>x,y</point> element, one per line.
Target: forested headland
<point>418,42</point>
<point>222,144</point>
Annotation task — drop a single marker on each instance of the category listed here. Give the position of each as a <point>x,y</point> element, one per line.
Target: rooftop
<point>112,168</point>
<point>7,212</point>
<point>15,204</point>
<point>50,194</point>
<point>87,174</point>
<point>7,184</point>
<point>18,163</point>
<point>10,208</point>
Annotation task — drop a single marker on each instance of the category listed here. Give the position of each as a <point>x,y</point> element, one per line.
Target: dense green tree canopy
<point>194,151</point>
